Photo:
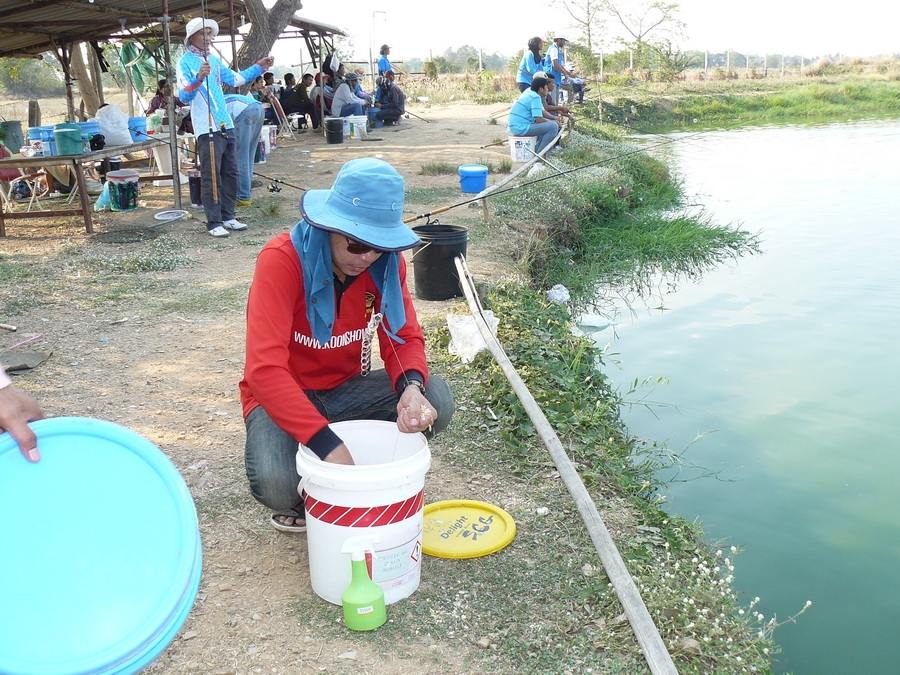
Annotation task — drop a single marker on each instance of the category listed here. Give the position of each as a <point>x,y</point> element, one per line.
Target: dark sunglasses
<point>359,248</point>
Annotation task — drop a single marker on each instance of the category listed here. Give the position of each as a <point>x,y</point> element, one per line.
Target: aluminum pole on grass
<point>648,637</point>
<point>170,109</point>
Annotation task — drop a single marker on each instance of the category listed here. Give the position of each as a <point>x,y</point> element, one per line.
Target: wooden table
<point>76,162</point>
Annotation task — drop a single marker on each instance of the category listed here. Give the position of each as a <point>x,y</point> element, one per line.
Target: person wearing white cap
<point>556,63</point>
<point>200,79</point>
<point>527,116</point>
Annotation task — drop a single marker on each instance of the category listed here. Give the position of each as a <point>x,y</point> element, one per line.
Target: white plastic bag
<point>114,125</point>
<point>465,338</point>
<point>559,294</point>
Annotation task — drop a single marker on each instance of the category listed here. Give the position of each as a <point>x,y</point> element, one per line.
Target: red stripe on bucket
<point>364,516</point>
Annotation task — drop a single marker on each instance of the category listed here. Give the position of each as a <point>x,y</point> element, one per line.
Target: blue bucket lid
<point>473,170</point>
<point>101,550</point>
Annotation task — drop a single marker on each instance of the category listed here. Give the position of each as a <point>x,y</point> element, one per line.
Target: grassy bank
<point>613,226</point>
<point>705,105</point>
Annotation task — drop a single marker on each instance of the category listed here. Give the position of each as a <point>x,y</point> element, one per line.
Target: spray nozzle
<point>357,547</point>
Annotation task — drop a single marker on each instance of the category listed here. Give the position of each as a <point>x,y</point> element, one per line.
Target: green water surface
<point>787,364</point>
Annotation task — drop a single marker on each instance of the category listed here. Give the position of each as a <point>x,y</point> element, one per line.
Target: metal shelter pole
<point>234,65</point>
<point>170,108</point>
<point>322,82</point>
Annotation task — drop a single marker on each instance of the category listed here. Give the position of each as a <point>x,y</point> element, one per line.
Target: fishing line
<point>275,181</point>
<point>607,160</point>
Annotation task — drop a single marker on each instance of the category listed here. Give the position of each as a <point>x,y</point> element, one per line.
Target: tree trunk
<point>267,26</point>
<point>86,86</point>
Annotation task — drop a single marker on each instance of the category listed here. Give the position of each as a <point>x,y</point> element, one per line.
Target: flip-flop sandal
<point>282,527</point>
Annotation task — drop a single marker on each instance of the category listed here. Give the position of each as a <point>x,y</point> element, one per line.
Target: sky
<point>414,28</point>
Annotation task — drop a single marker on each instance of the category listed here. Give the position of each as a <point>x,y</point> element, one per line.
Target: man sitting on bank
<point>319,294</point>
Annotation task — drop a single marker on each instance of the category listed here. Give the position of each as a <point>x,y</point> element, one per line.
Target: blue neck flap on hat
<point>313,246</point>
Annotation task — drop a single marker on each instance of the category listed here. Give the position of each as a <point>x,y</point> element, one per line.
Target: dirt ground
<point>168,368</point>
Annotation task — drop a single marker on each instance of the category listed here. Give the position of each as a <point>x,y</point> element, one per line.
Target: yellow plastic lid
<point>462,528</point>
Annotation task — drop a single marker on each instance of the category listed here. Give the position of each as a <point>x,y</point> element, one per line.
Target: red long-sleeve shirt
<point>283,359</point>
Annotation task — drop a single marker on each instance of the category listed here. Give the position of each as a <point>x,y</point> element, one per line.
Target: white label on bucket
<point>365,610</point>
<point>397,562</point>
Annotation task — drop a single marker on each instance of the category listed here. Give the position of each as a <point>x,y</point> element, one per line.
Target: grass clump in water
<point>616,224</point>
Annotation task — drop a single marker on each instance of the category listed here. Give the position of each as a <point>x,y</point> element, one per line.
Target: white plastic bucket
<point>266,138</point>
<point>359,125</point>
<point>271,131</point>
<point>518,145</point>
<point>381,496</point>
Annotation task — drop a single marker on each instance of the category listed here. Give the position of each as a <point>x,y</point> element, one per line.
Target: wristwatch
<point>418,384</point>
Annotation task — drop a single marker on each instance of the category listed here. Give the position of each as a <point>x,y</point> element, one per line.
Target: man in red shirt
<point>319,294</point>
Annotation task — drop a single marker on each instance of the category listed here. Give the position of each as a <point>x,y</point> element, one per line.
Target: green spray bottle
<point>363,600</point>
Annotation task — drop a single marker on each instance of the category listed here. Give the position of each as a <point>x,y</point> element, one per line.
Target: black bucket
<point>196,188</point>
<point>435,273</point>
<point>334,130</point>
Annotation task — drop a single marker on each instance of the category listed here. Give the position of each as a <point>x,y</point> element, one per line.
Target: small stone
<point>588,570</point>
<point>225,587</point>
<point>256,616</point>
<point>542,511</point>
<point>293,559</point>
<point>190,635</point>
<point>252,649</point>
<point>620,619</point>
<point>351,655</point>
<point>484,643</point>
<point>687,645</point>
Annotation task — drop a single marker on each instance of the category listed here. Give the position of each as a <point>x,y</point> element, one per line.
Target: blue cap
<point>365,203</point>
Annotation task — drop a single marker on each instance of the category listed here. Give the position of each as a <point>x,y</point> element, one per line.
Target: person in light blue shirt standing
<point>200,79</point>
<point>530,64</point>
<point>248,115</point>
<point>555,63</point>
<point>384,63</point>
<point>526,118</point>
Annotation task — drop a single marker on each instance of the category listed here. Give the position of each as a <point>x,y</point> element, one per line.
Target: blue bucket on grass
<point>473,177</point>
<point>101,550</point>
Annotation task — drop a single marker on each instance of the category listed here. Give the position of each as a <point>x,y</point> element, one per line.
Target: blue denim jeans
<point>352,109</point>
<point>223,151</point>
<point>545,132</point>
<point>247,127</point>
<point>270,452</point>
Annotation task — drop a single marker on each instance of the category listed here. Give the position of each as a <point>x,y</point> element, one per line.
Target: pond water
<point>786,365</point>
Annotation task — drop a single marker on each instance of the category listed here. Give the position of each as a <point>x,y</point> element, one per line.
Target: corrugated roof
<point>30,27</point>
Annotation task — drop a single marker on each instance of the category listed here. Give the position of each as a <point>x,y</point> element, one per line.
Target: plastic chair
<point>36,188</point>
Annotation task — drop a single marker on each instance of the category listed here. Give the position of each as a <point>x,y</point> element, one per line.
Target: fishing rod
<point>417,117</point>
<point>275,181</point>
<point>607,160</point>
<point>212,144</point>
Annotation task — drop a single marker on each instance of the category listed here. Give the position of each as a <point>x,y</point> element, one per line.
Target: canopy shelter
<point>31,27</point>
<point>28,28</point>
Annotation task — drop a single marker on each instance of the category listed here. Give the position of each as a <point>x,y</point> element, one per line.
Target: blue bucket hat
<point>365,203</point>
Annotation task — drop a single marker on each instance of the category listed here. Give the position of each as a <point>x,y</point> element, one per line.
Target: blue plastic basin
<point>101,553</point>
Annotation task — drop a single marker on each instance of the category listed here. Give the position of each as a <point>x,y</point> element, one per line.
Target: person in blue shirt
<point>248,117</point>
<point>526,118</point>
<point>531,63</point>
<point>555,63</point>
<point>200,79</point>
<point>384,63</point>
